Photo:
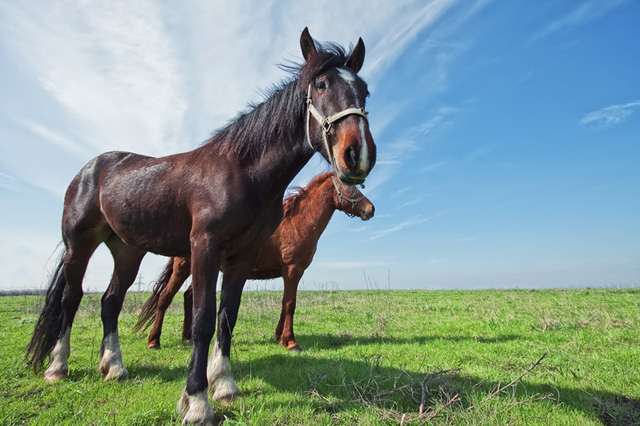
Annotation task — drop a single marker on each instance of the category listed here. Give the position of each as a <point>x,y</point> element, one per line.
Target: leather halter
<point>341,197</point>
<point>327,122</point>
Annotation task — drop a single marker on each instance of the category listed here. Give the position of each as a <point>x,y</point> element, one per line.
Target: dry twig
<point>513,382</point>
<point>423,385</point>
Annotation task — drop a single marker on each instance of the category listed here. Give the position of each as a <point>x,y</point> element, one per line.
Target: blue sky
<point>508,132</point>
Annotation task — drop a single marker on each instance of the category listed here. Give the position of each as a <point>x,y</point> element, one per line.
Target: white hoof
<point>224,390</point>
<point>54,375</point>
<point>111,366</point>
<point>59,369</point>
<point>196,409</point>
<point>115,372</point>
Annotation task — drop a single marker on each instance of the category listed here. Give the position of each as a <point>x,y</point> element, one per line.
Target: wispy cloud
<point>434,166</point>
<point>113,68</point>
<point>57,139</point>
<point>410,202</point>
<point>159,78</point>
<point>586,12</point>
<point>610,116</point>
<point>393,155</point>
<point>350,264</point>
<point>9,182</point>
<point>400,226</point>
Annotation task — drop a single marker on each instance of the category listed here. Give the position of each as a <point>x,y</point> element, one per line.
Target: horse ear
<point>356,59</point>
<point>307,45</point>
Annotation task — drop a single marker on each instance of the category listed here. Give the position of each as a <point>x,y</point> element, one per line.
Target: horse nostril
<point>368,213</point>
<point>371,212</point>
<point>351,157</point>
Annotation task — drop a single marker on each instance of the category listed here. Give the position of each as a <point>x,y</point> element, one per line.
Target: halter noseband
<point>341,197</point>
<point>327,122</point>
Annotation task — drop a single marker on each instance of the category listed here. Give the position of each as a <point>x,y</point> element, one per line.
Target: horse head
<point>350,200</point>
<point>337,123</point>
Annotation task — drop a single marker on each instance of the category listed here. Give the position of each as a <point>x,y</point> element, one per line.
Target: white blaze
<point>350,77</point>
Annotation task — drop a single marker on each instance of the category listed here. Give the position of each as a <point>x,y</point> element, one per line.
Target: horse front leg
<point>194,404</point>
<point>221,384</point>
<point>284,331</point>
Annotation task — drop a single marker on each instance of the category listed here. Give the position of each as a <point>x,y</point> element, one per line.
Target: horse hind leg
<point>188,314</point>
<point>126,264</point>
<point>180,271</point>
<point>73,267</point>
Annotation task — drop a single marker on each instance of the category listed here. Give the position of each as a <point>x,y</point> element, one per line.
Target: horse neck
<point>316,209</point>
<point>279,170</point>
<point>273,136</point>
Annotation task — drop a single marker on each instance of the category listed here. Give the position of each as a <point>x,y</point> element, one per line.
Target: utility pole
<point>139,282</point>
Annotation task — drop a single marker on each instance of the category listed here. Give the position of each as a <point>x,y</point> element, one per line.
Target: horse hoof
<point>225,391</point>
<point>196,409</point>
<point>295,348</point>
<point>116,373</point>
<point>55,376</point>
<point>154,346</point>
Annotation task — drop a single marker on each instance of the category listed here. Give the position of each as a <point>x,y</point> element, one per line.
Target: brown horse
<point>287,254</point>
<point>217,204</point>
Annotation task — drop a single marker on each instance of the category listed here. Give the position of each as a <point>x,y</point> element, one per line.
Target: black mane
<point>280,117</point>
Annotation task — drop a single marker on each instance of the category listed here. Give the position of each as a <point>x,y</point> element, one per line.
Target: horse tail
<point>148,311</point>
<point>49,325</point>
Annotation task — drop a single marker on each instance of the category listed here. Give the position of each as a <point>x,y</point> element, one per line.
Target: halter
<point>341,197</point>
<point>327,122</point>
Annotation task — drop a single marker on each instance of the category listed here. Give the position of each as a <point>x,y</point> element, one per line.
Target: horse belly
<point>145,213</point>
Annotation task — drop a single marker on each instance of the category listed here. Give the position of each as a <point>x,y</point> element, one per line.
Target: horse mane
<point>279,116</point>
<point>292,202</point>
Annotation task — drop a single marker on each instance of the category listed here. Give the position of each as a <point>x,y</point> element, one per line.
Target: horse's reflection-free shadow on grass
<point>329,341</point>
<point>338,384</point>
<point>136,371</point>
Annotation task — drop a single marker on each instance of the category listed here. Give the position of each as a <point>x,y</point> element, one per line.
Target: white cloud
<point>350,264</point>
<point>609,116</point>
<point>158,78</point>
<point>48,135</point>
<point>582,14</point>
<point>399,227</point>
<point>392,155</point>
<point>112,67</point>
<point>9,182</point>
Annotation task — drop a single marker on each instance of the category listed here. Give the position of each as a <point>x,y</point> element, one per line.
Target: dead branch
<point>423,385</point>
<point>513,382</point>
<point>433,414</point>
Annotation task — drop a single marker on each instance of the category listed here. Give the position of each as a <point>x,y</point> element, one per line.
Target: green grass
<point>371,357</point>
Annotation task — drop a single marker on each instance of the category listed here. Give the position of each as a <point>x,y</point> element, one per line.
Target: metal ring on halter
<point>327,122</point>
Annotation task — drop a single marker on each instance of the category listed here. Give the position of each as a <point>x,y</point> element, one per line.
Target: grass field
<point>371,357</point>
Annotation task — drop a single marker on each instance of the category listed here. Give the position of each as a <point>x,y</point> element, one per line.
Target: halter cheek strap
<point>327,122</point>
<point>341,197</point>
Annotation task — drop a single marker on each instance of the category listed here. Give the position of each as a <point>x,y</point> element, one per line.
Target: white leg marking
<point>111,365</point>
<point>196,409</point>
<point>221,384</point>
<point>59,369</point>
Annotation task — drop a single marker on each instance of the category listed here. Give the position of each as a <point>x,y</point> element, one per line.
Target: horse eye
<point>321,85</point>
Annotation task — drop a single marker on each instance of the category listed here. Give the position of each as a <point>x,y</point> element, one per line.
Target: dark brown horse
<point>287,254</point>
<point>217,204</point>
